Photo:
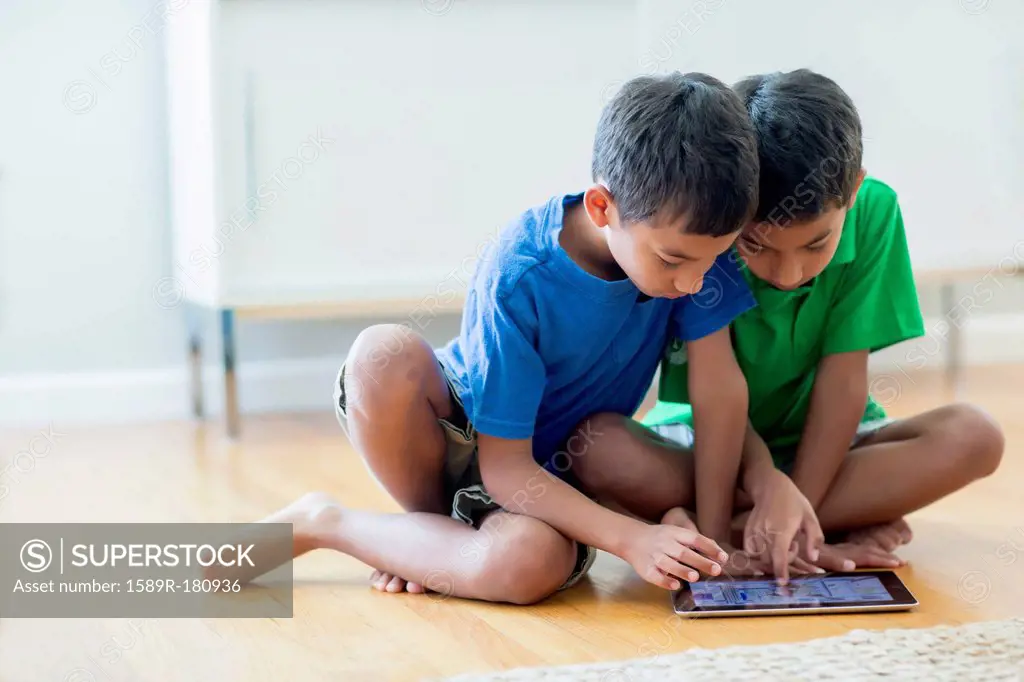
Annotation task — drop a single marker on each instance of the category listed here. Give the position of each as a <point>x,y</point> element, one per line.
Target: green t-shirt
<point>865,299</point>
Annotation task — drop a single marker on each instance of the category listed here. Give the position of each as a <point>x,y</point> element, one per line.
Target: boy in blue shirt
<point>565,317</point>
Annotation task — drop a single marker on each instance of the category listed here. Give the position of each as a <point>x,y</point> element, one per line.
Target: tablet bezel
<point>902,598</point>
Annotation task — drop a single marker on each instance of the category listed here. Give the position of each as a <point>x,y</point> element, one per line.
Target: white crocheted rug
<point>987,651</point>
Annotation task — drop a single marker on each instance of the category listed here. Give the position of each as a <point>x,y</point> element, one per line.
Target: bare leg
<point>902,468</point>
<point>511,558</point>
<point>653,483</point>
<point>395,394</point>
<point>633,468</point>
<point>911,464</point>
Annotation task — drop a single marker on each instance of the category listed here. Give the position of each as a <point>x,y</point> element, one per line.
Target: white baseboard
<point>985,340</point>
<point>307,385</point>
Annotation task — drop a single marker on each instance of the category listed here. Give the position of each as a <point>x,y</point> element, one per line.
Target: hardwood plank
<point>966,562</point>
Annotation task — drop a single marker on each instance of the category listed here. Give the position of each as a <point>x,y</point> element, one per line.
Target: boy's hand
<point>663,555</point>
<point>740,564</point>
<point>783,525</point>
<point>743,564</point>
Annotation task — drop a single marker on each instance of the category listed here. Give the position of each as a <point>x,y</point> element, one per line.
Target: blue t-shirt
<point>545,344</point>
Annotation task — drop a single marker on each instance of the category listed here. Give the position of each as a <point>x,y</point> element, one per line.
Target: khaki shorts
<point>463,484</point>
<point>682,434</point>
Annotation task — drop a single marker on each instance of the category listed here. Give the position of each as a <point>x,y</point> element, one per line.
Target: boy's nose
<point>688,286</point>
<point>788,275</point>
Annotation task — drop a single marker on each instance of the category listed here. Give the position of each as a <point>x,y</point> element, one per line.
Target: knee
<point>526,562</point>
<point>973,440</point>
<point>385,355</point>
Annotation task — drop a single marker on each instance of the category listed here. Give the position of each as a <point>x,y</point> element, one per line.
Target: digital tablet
<point>826,593</point>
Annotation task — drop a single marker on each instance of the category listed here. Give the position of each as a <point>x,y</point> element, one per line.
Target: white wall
<point>940,89</point>
<point>84,234</point>
<point>939,86</point>
<point>81,196</point>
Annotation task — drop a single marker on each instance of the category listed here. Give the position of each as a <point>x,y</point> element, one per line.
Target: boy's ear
<point>599,205</point>
<point>856,188</point>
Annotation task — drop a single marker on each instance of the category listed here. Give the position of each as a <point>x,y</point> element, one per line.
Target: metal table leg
<point>954,348</point>
<point>227,330</point>
<point>193,321</point>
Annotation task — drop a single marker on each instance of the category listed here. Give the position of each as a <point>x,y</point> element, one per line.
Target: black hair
<point>675,145</point>
<point>809,142</point>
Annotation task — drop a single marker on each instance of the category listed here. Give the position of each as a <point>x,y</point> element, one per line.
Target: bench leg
<point>194,324</point>
<point>227,330</point>
<point>955,343</point>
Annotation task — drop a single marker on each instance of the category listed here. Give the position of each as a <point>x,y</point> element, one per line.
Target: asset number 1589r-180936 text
<point>193,585</point>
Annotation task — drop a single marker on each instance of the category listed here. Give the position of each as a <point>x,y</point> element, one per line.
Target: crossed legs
<point>395,393</point>
<point>904,467</point>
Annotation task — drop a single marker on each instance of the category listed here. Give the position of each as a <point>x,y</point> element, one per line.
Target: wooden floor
<point>964,563</point>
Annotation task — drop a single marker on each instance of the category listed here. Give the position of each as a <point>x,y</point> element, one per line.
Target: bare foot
<point>887,536</point>
<point>848,556</point>
<point>315,519</point>
<point>385,582</point>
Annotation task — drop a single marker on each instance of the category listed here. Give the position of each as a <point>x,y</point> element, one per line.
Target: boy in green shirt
<point>826,258</point>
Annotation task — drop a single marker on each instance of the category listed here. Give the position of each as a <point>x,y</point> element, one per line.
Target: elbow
<point>505,487</point>
<point>493,482</point>
<point>507,468</point>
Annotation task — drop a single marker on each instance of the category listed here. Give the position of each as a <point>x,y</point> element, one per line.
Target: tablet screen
<point>807,591</point>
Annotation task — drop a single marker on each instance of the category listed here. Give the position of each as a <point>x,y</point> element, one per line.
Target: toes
<point>381,581</point>
<point>906,534</point>
<point>385,582</point>
<point>901,531</point>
